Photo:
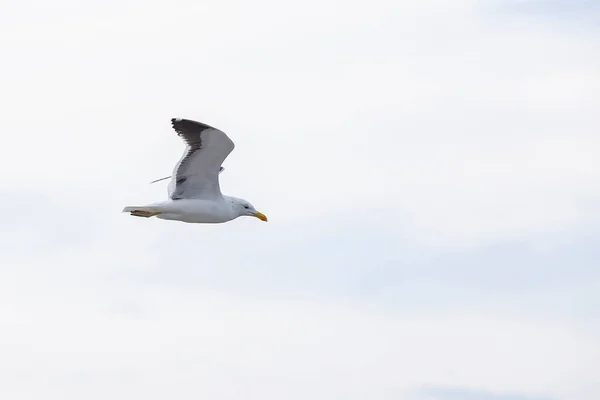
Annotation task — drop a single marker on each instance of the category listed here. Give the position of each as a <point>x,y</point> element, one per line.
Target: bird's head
<point>244,208</point>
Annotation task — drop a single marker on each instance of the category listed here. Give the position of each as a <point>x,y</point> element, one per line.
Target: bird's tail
<point>142,211</point>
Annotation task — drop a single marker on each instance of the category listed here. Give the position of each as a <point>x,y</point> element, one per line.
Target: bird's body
<point>194,191</point>
<point>190,210</point>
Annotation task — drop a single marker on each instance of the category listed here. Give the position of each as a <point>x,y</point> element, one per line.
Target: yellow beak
<point>260,216</point>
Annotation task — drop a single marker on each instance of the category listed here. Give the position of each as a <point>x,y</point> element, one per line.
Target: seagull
<point>194,191</point>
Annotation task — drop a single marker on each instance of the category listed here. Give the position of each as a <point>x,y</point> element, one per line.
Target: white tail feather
<point>145,211</point>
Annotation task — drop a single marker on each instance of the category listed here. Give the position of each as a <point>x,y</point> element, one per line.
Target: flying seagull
<point>194,192</point>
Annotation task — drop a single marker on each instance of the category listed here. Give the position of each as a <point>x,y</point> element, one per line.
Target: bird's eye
<point>246,207</point>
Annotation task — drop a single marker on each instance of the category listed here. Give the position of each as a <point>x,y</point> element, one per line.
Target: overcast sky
<point>429,168</point>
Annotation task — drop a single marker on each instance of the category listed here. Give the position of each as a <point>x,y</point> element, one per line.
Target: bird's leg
<point>145,214</point>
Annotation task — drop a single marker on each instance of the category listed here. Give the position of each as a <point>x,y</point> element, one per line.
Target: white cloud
<point>191,344</point>
<point>431,123</point>
<point>437,112</point>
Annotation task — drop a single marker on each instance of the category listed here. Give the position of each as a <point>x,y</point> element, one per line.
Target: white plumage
<point>194,191</point>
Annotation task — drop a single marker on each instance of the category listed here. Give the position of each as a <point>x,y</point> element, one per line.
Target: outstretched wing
<point>196,175</point>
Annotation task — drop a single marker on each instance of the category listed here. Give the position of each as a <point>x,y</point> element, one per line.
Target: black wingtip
<point>181,124</point>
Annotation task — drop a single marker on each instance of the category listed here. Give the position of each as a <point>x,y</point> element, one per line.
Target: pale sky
<point>429,168</point>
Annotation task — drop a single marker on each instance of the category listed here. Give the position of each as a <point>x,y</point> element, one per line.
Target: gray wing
<point>196,175</point>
